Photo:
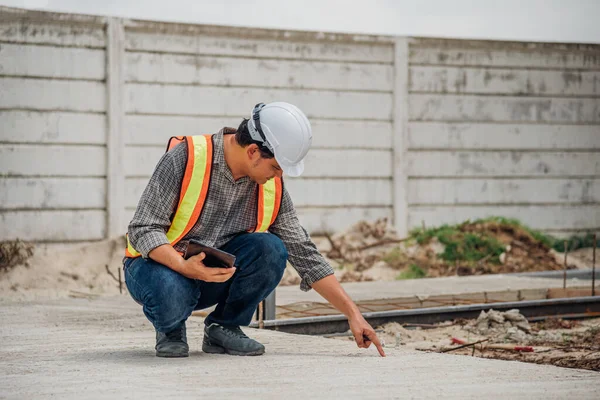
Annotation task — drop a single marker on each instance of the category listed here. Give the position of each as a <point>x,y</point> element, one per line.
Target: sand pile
<point>60,270</point>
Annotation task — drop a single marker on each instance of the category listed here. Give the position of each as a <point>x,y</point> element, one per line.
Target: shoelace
<point>175,335</point>
<point>235,332</point>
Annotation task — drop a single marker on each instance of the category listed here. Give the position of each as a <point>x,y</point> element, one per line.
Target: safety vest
<point>194,189</point>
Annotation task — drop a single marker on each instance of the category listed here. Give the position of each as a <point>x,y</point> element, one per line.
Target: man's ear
<point>253,151</point>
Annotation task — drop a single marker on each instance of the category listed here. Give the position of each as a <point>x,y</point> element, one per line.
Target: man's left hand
<point>364,334</point>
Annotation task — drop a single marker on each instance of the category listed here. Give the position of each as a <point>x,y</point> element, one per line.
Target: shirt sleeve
<point>302,252</point>
<point>152,218</point>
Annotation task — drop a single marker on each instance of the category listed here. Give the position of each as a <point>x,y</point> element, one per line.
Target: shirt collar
<point>219,154</point>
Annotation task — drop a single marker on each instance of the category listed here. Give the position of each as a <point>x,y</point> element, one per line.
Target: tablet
<point>214,257</point>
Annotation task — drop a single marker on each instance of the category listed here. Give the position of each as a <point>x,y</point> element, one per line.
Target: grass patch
<point>537,235</point>
<point>473,246</point>
<point>574,242</point>
<point>412,272</point>
<point>468,247</point>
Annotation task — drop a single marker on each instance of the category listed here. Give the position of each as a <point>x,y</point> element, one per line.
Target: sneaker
<point>231,340</point>
<point>172,344</point>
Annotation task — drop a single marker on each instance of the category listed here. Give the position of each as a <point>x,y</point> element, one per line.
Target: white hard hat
<point>285,131</point>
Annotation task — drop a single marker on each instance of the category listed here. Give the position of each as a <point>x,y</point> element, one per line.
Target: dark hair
<point>243,138</point>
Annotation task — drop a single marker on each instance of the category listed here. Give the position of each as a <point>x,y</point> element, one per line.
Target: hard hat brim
<point>293,170</point>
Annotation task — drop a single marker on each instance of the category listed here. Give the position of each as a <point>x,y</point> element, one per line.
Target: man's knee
<point>168,297</point>
<point>271,249</point>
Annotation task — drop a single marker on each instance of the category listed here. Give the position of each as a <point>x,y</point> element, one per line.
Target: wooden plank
<point>504,58</point>
<point>241,47</point>
<point>320,220</point>
<point>213,101</point>
<point>53,226</point>
<point>61,34</point>
<point>400,137</point>
<point>503,163</point>
<point>51,62</point>
<point>440,135</point>
<point>532,294</point>
<point>54,193</point>
<point>55,95</point>
<point>308,192</point>
<point>559,293</point>
<point>49,160</point>
<point>433,107</point>
<point>229,71</point>
<point>537,217</point>
<point>319,163</point>
<point>502,296</point>
<point>504,81</point>
<point>52,127</point>
<point>155,130</point>
<point>503,191</point>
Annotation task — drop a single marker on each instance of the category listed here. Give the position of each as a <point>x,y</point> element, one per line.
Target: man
<point>226,191</point>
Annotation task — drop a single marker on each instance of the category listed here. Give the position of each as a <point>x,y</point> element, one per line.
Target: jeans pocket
<point>133,287</point>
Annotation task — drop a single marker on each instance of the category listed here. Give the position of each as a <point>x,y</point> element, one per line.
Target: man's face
<point>262,169</point>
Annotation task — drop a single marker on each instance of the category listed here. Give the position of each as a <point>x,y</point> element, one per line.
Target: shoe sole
<point>216,349</point>
<point>172,355</point>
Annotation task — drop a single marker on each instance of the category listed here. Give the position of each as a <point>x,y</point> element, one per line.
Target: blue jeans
<point>168,298</point>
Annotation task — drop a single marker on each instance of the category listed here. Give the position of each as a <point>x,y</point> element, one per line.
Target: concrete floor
<point>103,348</point>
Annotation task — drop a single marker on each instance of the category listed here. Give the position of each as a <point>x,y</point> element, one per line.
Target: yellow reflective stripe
<point>268,205</point>
<point>132,252</point>
<point>190,198</point>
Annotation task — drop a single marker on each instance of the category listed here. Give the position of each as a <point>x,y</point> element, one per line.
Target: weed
<point>412,272</point>
<point>462,246</point>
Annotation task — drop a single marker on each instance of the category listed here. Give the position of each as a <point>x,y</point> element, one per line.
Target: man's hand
<point>332,291</point>
<point>364,334</point>
<point>194,268</point>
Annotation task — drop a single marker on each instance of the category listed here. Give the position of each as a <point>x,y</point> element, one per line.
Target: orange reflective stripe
<point>196,185</point>
<point>194,189</point>
<point>278,194</point>
<point>203,177</point>
<point>269,201</point>
<point>261,208</point>
<point>189,169</point>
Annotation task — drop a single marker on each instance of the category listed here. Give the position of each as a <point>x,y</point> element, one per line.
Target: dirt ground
<point>372,251</point>
<point>563,343</point>
<point>65,270</point>
<point>365,252</point>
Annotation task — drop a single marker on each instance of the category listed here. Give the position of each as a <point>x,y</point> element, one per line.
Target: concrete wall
<point>508,129</point>
<point>410,129</point>
<point>53,155</point>
<point>190,79</point>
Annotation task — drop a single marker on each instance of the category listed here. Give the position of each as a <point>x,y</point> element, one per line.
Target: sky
<point>523,20</point>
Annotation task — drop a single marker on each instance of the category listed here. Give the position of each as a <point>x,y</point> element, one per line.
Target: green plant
<point>462,246</point>
<point>412,272</point>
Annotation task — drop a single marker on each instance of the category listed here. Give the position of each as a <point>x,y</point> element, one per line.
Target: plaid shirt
<point>230,209</point>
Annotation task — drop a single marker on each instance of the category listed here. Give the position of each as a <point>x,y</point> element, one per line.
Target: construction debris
<point>374,251</point>
<point>510,324</point>
<point>565,343</point>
